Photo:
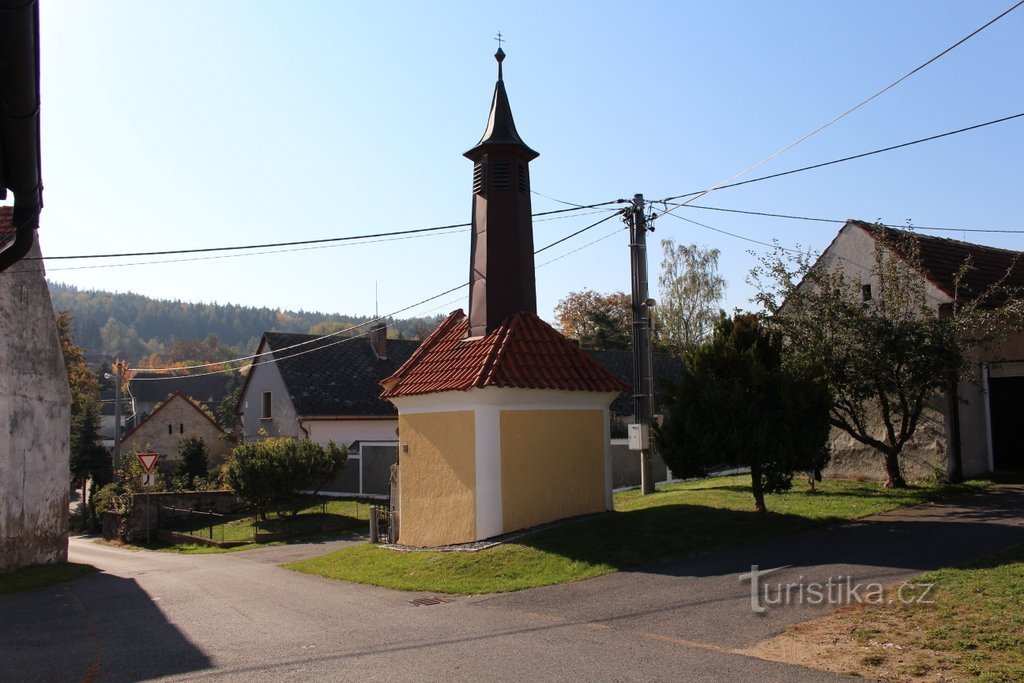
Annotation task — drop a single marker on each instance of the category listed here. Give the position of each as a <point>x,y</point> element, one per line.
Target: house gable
<point>264,382</point>
<point>175,419</point>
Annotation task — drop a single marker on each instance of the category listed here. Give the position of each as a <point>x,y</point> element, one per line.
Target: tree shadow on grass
<point>679,539</point>
<point>637,538</point>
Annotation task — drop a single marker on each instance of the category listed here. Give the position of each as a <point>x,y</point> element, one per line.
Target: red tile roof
<point>942,258</point>
<point>524,352</point>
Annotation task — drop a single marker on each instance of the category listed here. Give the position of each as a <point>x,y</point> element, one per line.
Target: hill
<point>137,328</point>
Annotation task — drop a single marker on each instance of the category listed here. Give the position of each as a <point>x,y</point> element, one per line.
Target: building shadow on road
<point>100,627</point>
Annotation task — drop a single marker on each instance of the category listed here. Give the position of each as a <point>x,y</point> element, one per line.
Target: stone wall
<point>925,455</point>
<point>35,405</point>
<point>223,502</point>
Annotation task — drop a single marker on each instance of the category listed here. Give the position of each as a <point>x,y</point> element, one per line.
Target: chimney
<point>379,340</point>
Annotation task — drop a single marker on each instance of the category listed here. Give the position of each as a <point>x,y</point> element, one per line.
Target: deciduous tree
<point>691,290</point>
<point>597,321</point>
<point>883,358</point>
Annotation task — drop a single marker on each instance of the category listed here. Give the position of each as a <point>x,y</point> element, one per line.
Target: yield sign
<point>148,460</point>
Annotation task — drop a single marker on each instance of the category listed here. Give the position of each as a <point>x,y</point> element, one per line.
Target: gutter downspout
<point>305,431</point>
<point>21,160</point>
<point>956,465</point>
<point>988,415</point>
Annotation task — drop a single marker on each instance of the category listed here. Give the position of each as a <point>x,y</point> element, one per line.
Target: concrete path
<point>703,601</point>
<point>237,617</point>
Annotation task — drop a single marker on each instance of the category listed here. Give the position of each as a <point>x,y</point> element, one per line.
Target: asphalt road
<point>240,617</point>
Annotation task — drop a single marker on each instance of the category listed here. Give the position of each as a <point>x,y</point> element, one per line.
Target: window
<point>266,415</point>
<point>865,293</point>
<point>181,427</point>
<point>170,429</point>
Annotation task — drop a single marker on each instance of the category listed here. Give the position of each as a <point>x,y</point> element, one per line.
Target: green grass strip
<point>680,520</point>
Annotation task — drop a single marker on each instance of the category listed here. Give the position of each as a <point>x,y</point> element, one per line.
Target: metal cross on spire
<point>500,40</point>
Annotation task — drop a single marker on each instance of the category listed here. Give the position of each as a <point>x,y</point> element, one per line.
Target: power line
<point>838,220</point>
<point>253,357</point>
<point>289,251</point>
<point>860,104</point>
<point>733,234</point>
<point>582,230</point>
<point>248,253</point>
<point>270,245</point>
<point>242,359</point>
<point>696,195</point>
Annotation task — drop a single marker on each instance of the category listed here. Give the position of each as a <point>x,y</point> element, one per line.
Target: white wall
<point>34,422</point>
<point>344,432</point>
<point>283,420</point>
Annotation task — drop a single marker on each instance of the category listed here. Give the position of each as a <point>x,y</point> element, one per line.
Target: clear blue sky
<point>194,124</point>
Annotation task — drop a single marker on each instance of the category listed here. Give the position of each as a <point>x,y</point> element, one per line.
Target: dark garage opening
<point>1006,405</point>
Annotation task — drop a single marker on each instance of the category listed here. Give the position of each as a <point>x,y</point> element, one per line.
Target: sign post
<point>148,461</point>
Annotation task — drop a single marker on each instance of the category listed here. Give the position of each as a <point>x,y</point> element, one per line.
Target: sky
<point>204,124</point>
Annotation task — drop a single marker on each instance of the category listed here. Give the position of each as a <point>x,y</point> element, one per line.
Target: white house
<point>975,428</point>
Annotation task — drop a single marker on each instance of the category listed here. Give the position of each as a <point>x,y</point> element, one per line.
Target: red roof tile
<point>942,258</point>
<point>524,352</point>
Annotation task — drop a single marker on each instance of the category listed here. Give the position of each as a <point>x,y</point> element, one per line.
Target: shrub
<point>193,462</point>
<point>269,474</point>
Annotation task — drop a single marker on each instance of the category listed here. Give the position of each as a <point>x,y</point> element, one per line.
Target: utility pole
<point>643,376</point>
<point>117,417</point>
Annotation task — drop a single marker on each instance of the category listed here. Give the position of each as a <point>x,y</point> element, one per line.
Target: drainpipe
<point>988,415</point>
<point>956,465</point>
<point>304,430</point>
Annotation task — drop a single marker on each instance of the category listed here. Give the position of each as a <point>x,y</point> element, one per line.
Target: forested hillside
<point>137,328</point>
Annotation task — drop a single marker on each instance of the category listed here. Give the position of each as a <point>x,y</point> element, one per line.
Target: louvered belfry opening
<point>501,277</point>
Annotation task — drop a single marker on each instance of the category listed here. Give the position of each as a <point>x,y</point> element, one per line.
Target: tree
<point>691,290</point>
<point>737,403</point>
<point>89,460</point>
<point>81,378</point>
<point>884,357</point>
<point>226,417</point>
<point>270,473</point>
<point>597,321</point>
<point>193,460</point>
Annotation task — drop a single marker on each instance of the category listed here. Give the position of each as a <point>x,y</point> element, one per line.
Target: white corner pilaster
<point>489,515</point>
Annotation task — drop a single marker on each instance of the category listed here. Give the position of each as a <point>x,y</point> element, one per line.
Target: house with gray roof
<point>328,389</point>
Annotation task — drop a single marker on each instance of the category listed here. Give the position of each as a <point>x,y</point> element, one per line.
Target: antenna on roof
<point>376,301</point>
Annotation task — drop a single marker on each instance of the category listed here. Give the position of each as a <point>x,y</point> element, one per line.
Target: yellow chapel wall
<point>437,478</point>
<point>552,465</point>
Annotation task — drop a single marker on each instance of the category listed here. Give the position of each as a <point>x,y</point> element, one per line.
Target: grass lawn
<point>679,520</point>
<point>42,575</point>
<point>313,521</point>
<point>972,629</point>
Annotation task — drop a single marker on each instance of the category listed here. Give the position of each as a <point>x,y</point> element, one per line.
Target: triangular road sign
<point>148,460</point>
